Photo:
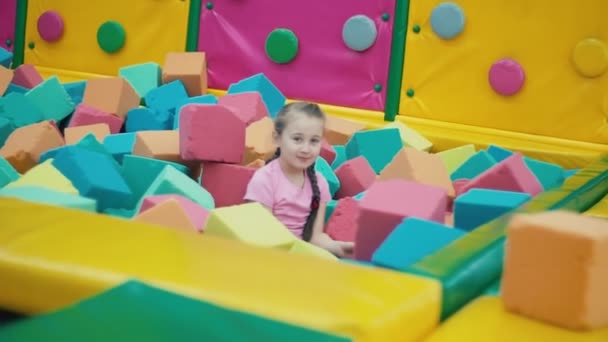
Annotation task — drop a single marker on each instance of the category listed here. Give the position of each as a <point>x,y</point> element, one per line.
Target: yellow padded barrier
<point>59,256</point>
<point>484,319</point>
<point>599,209</point>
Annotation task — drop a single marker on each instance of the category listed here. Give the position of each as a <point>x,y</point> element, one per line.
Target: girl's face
<point>300,142</point>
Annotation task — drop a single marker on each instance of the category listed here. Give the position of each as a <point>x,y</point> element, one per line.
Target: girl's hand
<point>343,249</point>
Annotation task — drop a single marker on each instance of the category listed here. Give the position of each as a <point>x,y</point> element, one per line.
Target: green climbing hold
<point>386,16</point>
<point>209,5</point>
<point>111,36</point>
<point>281,46</point>
<point>378,88</point>
<point>31,45</point>
<point>416,28</point>
<point>8,42</point>
<point>410,92</point>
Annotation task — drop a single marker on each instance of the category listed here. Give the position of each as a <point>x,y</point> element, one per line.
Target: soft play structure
<point>466,151</point>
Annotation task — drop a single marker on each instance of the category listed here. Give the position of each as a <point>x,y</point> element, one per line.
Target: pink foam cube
<point>342,224</point>
<point>197,214</point>
<point>327,152</point>
<point>248,106</point>
<point>387,203</point>
<point>26,75</point>
<point>511,174</point>
<point>211,133</point>
<point>355,175</point>
<point>227,183</point>
<point>85,115</point>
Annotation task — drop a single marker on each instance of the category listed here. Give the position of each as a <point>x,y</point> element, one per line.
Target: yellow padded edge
<point>59,256</point>
<point>484,319</point>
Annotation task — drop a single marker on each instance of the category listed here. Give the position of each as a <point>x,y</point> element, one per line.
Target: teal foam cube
<point>271,95</point>
<point>52,99</point>
<point>323,167</point>
<point>479,206</point>
<point>474,166</point>
<point>378,146</point>
<point>142,77</point>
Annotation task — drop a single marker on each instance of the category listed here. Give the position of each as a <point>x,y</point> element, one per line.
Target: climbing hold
<point>410,93</point>
<point>378,87</point>
<point>416,28</point>
<point>447,20</point>
<point>209,5</point>
<point>31,45</point>
<point>386,16</point>
<point>506,77</point>
<point>8,42</point>
<point>111,36</point>
<point>359,32</point>
<point>281,45</point>
<point>590,57</point>
<point>50,26</point>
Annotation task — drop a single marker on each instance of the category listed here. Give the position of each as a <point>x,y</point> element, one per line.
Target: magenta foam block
<point>86,115</point>
<point>327,152</point>
<point>248,106</point>
<point>342,224</point>
<point>227,183</point>
<point>27,76</point>
<point>355,176</point>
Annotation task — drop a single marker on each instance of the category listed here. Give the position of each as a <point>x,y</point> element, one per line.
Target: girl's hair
<point>280,122</point>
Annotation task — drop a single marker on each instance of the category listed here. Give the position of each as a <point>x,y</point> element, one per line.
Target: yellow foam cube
<point>454,157</point>
<point>250,223</point>
<point>305,248</point>
<point>45,175</point>
<point>59,256</point>
<point>410,137</point>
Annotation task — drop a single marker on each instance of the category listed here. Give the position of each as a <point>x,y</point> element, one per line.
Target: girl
<point>288,184</point>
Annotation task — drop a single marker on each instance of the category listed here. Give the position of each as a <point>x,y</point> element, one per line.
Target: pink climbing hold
<point>506,77</point>
<point>50,26</point>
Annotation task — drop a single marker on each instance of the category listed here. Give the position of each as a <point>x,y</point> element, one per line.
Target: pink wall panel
<point>8,15</point>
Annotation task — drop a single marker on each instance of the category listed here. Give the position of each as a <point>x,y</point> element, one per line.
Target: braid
<point>276,155</point>
<point>314,204</point>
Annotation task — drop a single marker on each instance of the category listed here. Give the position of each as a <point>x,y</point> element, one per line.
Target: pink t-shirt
<point>289,203</point>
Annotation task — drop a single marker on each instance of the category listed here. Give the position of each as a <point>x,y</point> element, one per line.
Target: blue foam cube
<point>323,167</point>
<point>75,90</point>
<point>166,97</point>
<point>147,119</point>
<point>378,146</point>
<point>119,144</point>
<point>474,166</point>
<point>203,99</point>
<point>479,206</point>
<point>6,57</point>
<point>52,99</point>
<point>271,95</point>
<point>13,88</point>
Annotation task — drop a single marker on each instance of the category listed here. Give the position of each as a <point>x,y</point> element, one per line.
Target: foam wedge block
<point>412,240</point>
<point>378,146</point>
<point>26,75</point>
<point>85,115</point>
<point>227,183</point>
<point>51,99</point>
<point>6,76</point>
<point>26,144</point>
<point>75,90</point>
<point>20,110</point>
<point>271,95</point>
<point>169,213</point>
<point>113,95</point>
<point>119,145</point>
<point>188,67</point>
<point>474,166</point>
<point>563,282</point>
<point>94,175</point>
<point>327,152</point>
<point>163,145</point>
<point>340,156</point>
<point>204,131</point>
<point>323,167</point>
<point>479,206</point>
<point>45,175</point>
<point>8,173</point>
<point>410,137</point>
<point>6,128</point>
<point>160,313</point>
<point>146,119</point>
<point>6,58</point>
<point>355,176</point>
<point>48,196</point>
<point>453,158</point>
<point>143,77</point>
<point>380,303</point>
<point>302,247</point>
<point>196,214</point>
<point>235,222</point>
<point>249,106</point>
<point>258,141</point>
<point>171,181</point>
<point>166,97</point>
<point>338,131</point>
<point>203,99</point>
<point>387,203</point>
<point>74,134</point>
<point>342,224</point>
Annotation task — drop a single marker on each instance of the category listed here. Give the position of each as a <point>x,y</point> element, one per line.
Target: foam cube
<point>227,183</point>
<point>498,153</point>
<point>453,158</point>
<point>378,146</point>
<point>412,240</point>
<point>171,181</point>
<point>85,115</point>
<point>6,128</point>
<point>118,145</point>
<point>567,173</point>
<point>302,247</point>
<point>327,152</point>
<point>328,173</point>
<point>113,95</point>
<point>479,206</point>
<point>271,95</point>
<point>196,214</point>
<point>205,131</point>
<point>94,175</point>
<point>258,141</point>
<point>169,213</point>
<point>75,90</point>
<point>75,133</point>
<point>250,223</point>
<point>39,194</point>
<point>474,166</point>
<point>249,106</point>
<point>146,119</point>
<point>26,144</point>
<point>166,97</point>
<point>6,57</point>
<point>143,77</point>
<point>189,68</point>
<point>388,203</point>
<point>342,224</point>
<point>20,110</point>
<point>13,88</point>
<point>89,142</point>
<point>203,99</point>
<point>419,166</point>
<point>555,269</point>
<point>340,156</point>
<point>331,205</point>
<point>410,137</point>
<point>8,173</point>
<point>338,131</point>
<point>140,172</point>
<point>355,176</point>
<point>6,76</point>
<point>162,145</point>
<point>511,174</point>
<point>26,75</point>
<point>45,175</point>
<point>51,99</point>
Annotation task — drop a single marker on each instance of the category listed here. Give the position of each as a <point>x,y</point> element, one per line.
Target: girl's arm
<point>321,239</point>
